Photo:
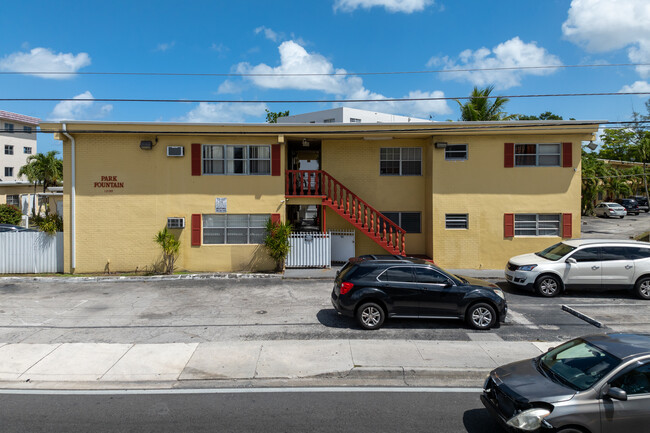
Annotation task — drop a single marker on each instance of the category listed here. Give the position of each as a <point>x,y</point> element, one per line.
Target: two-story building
<point>17,143</point>
<point>466,194</point>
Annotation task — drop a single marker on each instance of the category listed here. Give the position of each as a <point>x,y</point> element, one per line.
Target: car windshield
<point>556,252</point>
<point>577,364</point>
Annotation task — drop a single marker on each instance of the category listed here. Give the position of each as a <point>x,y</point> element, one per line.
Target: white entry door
<point>342,245</point>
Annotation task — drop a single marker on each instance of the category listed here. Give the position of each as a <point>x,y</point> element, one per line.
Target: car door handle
<point>595,267</point>
<point>628,266</point>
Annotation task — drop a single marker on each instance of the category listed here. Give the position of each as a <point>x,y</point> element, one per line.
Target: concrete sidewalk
<point>100,365</point>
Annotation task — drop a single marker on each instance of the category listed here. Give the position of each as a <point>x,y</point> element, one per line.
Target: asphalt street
<point>283,410</point>
<point>197,311</point>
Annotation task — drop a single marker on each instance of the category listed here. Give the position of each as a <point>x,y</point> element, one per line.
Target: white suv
<point>593,264</point>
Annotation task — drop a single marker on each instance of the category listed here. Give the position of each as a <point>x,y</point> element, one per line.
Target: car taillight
<point>346,287</point>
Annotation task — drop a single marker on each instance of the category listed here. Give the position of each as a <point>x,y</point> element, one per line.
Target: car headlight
<point>527,267</point>
<point>529,420</point>
<point>499,293</point>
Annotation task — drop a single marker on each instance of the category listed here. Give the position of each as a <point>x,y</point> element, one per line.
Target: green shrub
<point>10,214</point>
<point>50,223</point>
<point>170,247</point>
<point>277,241</point>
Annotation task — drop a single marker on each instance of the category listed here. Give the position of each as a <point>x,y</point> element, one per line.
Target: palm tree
<point>480,108</point>
<point>29,171</point>
<point>45,169</point>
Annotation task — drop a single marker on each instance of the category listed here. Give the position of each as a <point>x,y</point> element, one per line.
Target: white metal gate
<point>30,253</point>
<point>342,245</point>
<point>310,250</point>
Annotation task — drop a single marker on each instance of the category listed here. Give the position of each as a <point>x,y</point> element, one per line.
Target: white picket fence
<point>30,253</point>
<point>310,250</point>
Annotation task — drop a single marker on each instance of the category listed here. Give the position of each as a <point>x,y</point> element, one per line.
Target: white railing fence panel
<point>30,253</point>
<point>310,250</point>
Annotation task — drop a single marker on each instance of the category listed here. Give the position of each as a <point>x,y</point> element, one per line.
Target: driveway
<point>615,228</point>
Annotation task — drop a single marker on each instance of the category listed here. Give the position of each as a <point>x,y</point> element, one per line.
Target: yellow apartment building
<point>465,194</point>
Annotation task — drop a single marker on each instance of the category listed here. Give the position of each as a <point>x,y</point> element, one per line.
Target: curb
<point>108,278</point>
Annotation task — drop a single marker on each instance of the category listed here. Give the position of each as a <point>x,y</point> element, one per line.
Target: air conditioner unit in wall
<point>175,223</point>
<point>175,151</point>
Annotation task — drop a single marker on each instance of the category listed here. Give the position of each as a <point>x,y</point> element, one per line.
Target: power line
<point>325,74</point>
<point>301,101</point>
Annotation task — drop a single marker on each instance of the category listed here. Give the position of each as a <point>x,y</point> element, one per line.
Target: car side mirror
<point>616,393</point>
<point>571,261</point>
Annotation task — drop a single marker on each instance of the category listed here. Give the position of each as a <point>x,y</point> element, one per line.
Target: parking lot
<point>615,228</point>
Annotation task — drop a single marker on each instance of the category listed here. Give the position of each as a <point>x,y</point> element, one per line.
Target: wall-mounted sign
<point>108,183</point>
<point>221,204</point>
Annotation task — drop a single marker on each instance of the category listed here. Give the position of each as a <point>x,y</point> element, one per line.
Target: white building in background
<point>17,143</point>
<point>348,115</point>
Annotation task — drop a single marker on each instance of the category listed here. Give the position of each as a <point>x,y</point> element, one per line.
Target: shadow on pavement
<point>479,421</point>
<point>331,319</point>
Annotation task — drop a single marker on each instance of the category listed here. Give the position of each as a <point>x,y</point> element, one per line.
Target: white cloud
<point>44,60</point>
<point>80,110</point>
<point>165,46</point>
<point>294,59</point>
<point>406,6</point>
<point>224,112</point>
<point>268,33</point>
<point>606,25</point>
<point>229,86</point>
<point>637,87</point>
<point>513,53</point>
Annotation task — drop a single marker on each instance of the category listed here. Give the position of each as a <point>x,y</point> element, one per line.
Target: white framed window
<point>9,171</point>
<point>354,120</point>
<point>456,221</point>
<point>538,155</point>
<point>13,199</point>
<point>329,120</point>
<point>234,228</point>
<point>409,221</point>
<point>9,150</point>
<point>27,150</point>
<point>537,224</point>
<point>400,161</point>
<point>233,159</point>
<point>456,152</point>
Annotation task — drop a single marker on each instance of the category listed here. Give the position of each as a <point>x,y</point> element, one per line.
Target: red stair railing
<point>347,204</point>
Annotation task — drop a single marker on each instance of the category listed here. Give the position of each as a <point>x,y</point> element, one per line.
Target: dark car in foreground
<point>592,384</point>
<point>630,205</point>
<point>373,288</point>
<point>14,228</point>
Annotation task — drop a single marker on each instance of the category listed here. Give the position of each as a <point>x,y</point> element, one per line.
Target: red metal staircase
<point>368,220</point>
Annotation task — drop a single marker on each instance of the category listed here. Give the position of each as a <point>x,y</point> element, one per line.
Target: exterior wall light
<point>146,145</point>
<point>440,144</point>
<point>592,145</point>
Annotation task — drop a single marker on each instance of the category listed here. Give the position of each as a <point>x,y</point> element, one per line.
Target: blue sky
<point>320,36</point>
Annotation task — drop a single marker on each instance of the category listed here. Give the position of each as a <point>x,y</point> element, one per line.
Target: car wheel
<point>548,286</point>
<point>622,216</point>
<point>370,316</point>
<point>642,288</point>
<point>481,316</point>
<point>569,430</point>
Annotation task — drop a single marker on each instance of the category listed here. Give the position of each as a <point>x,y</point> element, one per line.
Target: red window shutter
<point>275,160</point>
<point>196,229</point>
<point>567,154</point>
<point>567,227</point>
<point>275,218</point>
<point>509,225</point>
<point>509,155</point>
<point>196,159</point>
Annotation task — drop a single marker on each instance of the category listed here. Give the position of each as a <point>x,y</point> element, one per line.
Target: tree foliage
<point>277,241</point>
<point>10,214</point>
<point>272,116</point>
<point>482,107</point>
<point>170,247</point>
<point>43,169</point>
<point>547,115</point>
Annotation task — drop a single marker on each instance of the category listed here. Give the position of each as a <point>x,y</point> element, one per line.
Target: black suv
<point>630,205</point>
<point>372,288</point>
<point>643,202</point>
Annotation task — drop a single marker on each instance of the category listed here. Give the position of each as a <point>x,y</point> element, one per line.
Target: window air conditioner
<point>175,223</point>
<point>175,151</point>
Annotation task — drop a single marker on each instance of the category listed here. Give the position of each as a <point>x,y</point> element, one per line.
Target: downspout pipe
<point>73,198</point>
